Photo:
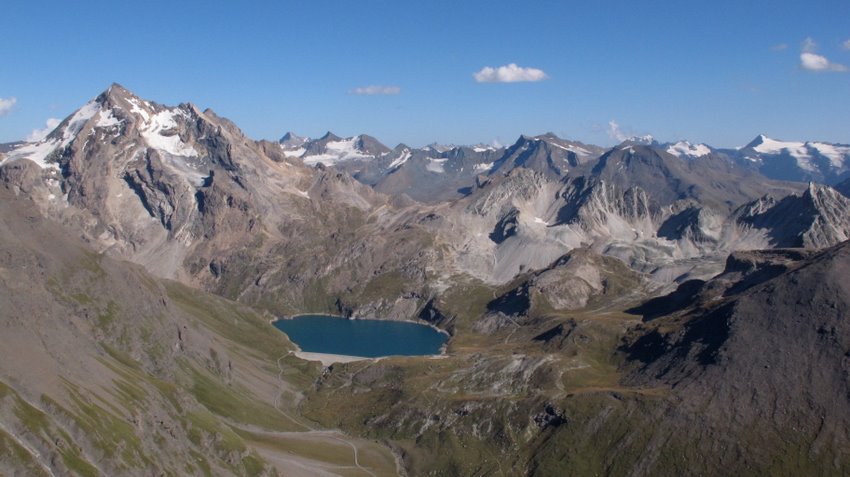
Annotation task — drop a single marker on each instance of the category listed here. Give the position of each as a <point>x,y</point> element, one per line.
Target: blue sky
<point>718,72</point>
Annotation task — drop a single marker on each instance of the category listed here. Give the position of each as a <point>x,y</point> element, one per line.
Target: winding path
<point>310,430</point>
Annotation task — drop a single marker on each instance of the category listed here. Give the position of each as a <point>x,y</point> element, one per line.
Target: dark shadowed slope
<point>759,363</point>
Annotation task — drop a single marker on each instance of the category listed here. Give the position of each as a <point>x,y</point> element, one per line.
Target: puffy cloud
<point>39,134</point>
<point>815,62</point>
<point>375,90</point>
<point>617,133</point>
<point>509,74</point>
<point>6,105</point>
<point>614,131</point>
<point>811,61</point>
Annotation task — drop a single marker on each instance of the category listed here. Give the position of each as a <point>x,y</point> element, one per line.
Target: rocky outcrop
<point>819,217</point>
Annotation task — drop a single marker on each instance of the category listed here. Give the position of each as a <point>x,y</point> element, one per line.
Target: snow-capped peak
<point>291,140</point>
<point>61,137</point>
<point>804,153</point>
<point>483,148</point>
<point>646,139</point>
<point>766,145</point>
<point>336,150</point>
<point>685,148</point>
<point>439,148</point>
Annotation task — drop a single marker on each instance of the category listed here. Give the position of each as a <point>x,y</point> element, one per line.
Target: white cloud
<point>618,134</point>
<point>375,90</point>
<point>509,74</point>
<point>614,131</point>
<point>39,134</point>
<point>815,62</point>
<point>779,47</point>
<point>6,105</point>
<point>812,61</point>
<point>846,45</point>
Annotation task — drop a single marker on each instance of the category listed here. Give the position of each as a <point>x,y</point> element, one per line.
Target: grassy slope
<point>107,371</point>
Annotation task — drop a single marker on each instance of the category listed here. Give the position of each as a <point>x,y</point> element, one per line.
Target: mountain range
<point>583,286</point>
<point>375,164</point>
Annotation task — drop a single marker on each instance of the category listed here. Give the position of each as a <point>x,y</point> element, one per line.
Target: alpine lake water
<point>364,338</point>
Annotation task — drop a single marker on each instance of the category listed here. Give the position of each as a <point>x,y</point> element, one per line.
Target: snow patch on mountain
<point>137,108</point>
<point>685,148</point>
<point>571,148</point>
<point>797,150</point>
<point>39,151</point>
<point>36,152</point>
<point>439,148</point>
<point>405,155</point>
<point>294,153</point>
<point>161,133</point>
<point>337,151</point>
<point>436,165</point>
<point>107,119</point>
<point>838,155</point>
<point>483,167</point>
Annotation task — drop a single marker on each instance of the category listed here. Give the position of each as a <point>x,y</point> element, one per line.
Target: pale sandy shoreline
<point>328,359</point>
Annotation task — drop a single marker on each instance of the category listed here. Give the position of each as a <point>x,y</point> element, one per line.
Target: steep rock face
<point>187,195</point>
<point>711,180</point>
<point>593,204</point>
<point>546,154</point>
<point>765,365</point>
<point>694,223</point>
<point>816,218</point>
<point>506,227</point>
<point>672,217</point>
<point>433,175</point>
<point>133,173</point>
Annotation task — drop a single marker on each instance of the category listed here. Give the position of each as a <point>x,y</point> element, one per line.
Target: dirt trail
<point>293,464</point>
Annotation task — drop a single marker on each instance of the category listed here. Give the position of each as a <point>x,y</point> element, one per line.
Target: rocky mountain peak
<point>370,145</point>
<point>329,136</point>
<point>645,140</point>
<point>757,141</point>
<point>291,139</point>
<point>818,217</point>
<point>114,93</point>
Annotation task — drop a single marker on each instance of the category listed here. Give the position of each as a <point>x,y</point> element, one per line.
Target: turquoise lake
<point>366,338</point>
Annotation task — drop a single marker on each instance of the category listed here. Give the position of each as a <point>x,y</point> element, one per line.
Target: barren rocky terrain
<point>621,311</point>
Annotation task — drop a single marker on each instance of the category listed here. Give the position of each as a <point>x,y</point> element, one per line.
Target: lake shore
<point>349,346</point>
<point>329,359</point>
